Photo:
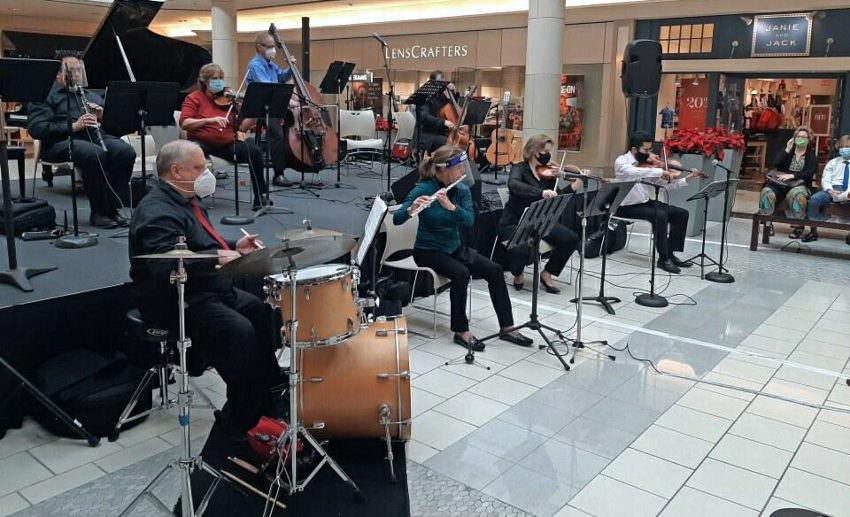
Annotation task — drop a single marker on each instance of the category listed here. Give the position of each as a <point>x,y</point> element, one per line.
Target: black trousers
<point>277,149</point>
<point>668,222</point>
<point>459,267</point>
<point>246,152</point>
<point>101,169</point>
<point>564,243</point>
<point>231,333</point>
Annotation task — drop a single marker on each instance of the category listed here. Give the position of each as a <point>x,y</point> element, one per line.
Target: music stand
<point>431,88</point>
<point>606,201</point>
<point>21,80</point>
<point>335,80</point>
<point>131,107</point>
<point>265,101</point>
<point>535,224</point>
<point>711,190</point>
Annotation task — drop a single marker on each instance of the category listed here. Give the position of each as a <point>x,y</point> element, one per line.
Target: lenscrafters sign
<point>426,52</point>
<point>778,35</point>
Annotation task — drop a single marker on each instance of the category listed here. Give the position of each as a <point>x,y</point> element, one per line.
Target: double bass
<point>458,136</point>
<point>311,143</point>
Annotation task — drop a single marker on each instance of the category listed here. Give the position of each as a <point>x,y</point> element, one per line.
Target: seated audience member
<point>796,164</point>
<point>835,183</point>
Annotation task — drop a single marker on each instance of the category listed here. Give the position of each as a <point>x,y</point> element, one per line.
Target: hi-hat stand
<point>711,190</point>
<point>336,78</point>
<point>606,200</point>
<point>534,225</point>
<point>651,299</point>
<point>187,462</point>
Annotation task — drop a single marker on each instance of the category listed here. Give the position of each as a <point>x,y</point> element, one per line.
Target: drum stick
<point>434,197</point>
<point>244,464</point>
<point>238,481</point>
<point>246,234</point>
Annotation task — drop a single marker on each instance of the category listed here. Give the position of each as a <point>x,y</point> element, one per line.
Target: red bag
<point>263,437</point>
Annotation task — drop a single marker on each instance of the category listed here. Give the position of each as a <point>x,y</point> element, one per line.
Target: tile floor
<point>769,428</point>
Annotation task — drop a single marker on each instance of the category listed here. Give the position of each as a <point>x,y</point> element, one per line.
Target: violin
<point>548,171</point>
<point>228,97</point>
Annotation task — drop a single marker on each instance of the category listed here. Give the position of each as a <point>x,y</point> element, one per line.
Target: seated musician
<point>105,173</point>
<point>528,183</point>
<point>209,124</point>
<point>669,222</point>
<point>835,183</point>
<point>228,327</point>
<point>431,129</point>
<point>438,243</point>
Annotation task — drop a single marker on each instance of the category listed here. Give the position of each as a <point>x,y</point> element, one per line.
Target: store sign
<point>819,118</point>
<point>365,77</point>
<point>779,35</point>
<point>693,105</point>
<point>427,52</point>
<point>571,118</point>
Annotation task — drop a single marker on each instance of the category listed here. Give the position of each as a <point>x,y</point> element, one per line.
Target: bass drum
<point>353,389</point>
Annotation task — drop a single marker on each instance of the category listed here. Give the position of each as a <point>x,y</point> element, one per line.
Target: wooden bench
<point>838,210</point>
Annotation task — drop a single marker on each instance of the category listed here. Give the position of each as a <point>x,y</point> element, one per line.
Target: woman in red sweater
<point>209,124</point>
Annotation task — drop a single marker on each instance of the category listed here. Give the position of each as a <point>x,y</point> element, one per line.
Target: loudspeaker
<point>641,72</point>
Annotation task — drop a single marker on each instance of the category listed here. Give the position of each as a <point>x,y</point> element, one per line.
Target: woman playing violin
<point>209,120</point>
<point>530,181</point>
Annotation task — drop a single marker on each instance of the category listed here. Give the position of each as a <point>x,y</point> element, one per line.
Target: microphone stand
<point>721,276</point>
<point>651,299</point>
<point>76,240</point>
<point>391,98</point>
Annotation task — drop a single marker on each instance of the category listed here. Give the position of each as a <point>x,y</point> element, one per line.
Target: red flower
<point>709,142</point>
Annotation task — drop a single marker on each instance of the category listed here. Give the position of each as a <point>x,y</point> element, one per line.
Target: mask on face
<point>202,186</point>
<point>642,157</point>
<point>270,53</point>
<point>844,152</point>
<point>544,158</point>
<point>801,142</point>
<point>215,85</point>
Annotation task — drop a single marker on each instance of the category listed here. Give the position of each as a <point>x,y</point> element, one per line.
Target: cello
<point>312,144</point>
<point>459,135</point>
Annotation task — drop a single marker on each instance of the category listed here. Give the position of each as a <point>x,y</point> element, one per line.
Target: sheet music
<point>373,224</point>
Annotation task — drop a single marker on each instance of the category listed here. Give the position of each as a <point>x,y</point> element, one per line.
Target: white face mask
<point>203,186</point>
<point>270,53</point>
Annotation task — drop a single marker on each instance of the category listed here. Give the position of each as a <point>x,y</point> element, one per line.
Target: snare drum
<point>355,389</point>
<point>326,303</point>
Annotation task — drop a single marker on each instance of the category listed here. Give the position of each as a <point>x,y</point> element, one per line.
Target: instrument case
<point>29,214</point>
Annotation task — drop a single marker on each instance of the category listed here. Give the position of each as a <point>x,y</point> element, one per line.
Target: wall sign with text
<point>693,105</point>
<point>779,35</point>
<point>425,52</point>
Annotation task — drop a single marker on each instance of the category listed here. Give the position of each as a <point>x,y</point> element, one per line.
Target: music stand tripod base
<point>71,241</point>
<point>651,300</point>
<point>720,277</point>
<point>19,277</point>
<point>237,220</point>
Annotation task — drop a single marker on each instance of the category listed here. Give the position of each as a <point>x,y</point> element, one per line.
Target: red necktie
<point>199,214</point>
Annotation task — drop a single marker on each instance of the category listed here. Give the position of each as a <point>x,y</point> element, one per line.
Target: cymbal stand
<point>287,443</point>
<point>187,462</point>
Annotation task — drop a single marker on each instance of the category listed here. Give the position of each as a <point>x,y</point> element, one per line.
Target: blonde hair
<point>534,145</point>
<point>809,134</point>
<point>204,74</point>
<point>428,167</point>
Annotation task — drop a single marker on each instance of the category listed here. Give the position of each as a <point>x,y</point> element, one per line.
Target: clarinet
<point>85,106</point>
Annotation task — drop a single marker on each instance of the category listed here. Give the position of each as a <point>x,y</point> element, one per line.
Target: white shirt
<point>833,174</point>
<point>626,169</point>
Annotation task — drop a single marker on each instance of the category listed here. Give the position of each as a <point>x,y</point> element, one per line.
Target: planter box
<point>678,196</point>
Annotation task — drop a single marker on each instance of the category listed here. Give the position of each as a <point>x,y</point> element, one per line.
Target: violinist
<point>431,129</point>
<point>669,223</point>
<point>530,181</point>
<point>210,121</point>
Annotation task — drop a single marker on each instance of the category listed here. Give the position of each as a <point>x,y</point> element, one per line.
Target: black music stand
<point>264,101</point>
<point>420,97</point>
<point>605,202</point>
<point>335,80</point>
<point>535,224</point>
<point>711,190</point>
<point>722,276</point>
<point>131,107</point>
<point>21,80</point>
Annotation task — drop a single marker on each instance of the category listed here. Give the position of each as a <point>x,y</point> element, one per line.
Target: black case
<point>29,214</point>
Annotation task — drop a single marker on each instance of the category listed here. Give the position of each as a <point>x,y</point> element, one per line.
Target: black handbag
<point>773,179</point>
<point>29,214</point>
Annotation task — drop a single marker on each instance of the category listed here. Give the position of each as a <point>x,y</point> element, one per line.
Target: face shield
<point>75,74</point>
<point>461,162</point>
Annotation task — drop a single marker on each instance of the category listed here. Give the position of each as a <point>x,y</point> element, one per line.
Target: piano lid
<point>152,57</point>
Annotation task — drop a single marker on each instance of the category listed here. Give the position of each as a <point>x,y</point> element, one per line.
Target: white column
<point>543,58</point>
<point>224,44</point>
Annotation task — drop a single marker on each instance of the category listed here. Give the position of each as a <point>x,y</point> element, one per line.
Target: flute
<point>96,128</point>
<point>433,198</point>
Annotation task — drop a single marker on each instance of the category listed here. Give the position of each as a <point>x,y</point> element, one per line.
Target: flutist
<point>105,161</point>
<point>438,244</point>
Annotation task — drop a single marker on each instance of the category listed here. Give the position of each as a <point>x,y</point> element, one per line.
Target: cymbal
<point>302,233</point>
<point>177,254</point>
<point>298,254</point>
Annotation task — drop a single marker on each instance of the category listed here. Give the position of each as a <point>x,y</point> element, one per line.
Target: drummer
<point>229,328</point>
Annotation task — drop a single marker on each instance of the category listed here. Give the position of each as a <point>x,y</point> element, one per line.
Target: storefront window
<point>686,39</point>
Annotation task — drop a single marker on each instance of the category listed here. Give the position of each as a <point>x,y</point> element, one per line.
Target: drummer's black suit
<point>231,328</point>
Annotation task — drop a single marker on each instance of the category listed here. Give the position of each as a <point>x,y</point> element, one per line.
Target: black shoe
<point>681,263</point>
<point>519,286</point>
<point>119,218</point>
<point>258,204</point>
<point>796,233</point>
<point>549,288</point>
<point>102,221</point>
<point>280,180</point>
<point>474,344</point>
<point>228,429</point>
<point>516,338</point>
<point>221,175</point>
<point>847,239</point>
<point>770,229</point>
<point>811,236</point>
<point>669,266</point>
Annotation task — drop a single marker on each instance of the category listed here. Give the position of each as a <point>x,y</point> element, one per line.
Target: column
<point>543,59</point>
<point>224,43</point>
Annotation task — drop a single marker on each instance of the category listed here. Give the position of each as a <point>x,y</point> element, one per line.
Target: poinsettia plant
<point>709,142</point>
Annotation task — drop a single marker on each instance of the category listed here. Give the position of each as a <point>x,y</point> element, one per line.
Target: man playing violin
<point>212,125</point>
<point>431,129</point>
<point>263,69</point>
<point>530,181</point>
<point>669,223</point>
